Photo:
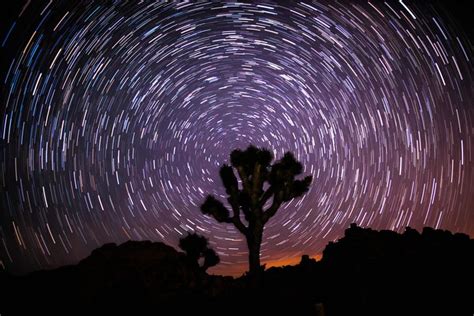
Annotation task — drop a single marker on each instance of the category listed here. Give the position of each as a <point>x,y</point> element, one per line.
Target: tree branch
<point>245,180</point>
<point>244,202</point>
<point>216,209</point>
<point>271,211</point>
<point>235,219</point>
<point>266,196</point>
<point>256,181</point>
<point>239,225</point>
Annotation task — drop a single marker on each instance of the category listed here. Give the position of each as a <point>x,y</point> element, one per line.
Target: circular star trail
<point>116,117</point>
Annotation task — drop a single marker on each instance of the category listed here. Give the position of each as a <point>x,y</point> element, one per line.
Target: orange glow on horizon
<point>238,270</point>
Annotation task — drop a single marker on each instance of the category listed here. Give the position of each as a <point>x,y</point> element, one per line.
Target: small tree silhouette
<point>254,169</point>
<point>210,258</point>
<point>196,247</point>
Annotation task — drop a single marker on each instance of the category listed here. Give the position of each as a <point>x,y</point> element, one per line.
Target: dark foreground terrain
<point>365,273</point>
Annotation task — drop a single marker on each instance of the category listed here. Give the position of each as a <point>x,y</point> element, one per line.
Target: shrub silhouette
<point>261,183</point>
<point>210,258</point>
<point>196,247</point>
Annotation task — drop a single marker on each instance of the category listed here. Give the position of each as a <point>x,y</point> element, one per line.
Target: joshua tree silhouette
<point>196,247</point>
<point>260,183</point>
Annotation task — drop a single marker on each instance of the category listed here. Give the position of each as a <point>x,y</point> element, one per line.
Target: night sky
<point>116,116</point>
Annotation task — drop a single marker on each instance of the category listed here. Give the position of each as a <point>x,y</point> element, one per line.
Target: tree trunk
<point>254,257</point>
<point>254,241</point>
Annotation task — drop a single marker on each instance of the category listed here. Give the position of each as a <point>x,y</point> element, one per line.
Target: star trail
<point>116,116</point>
